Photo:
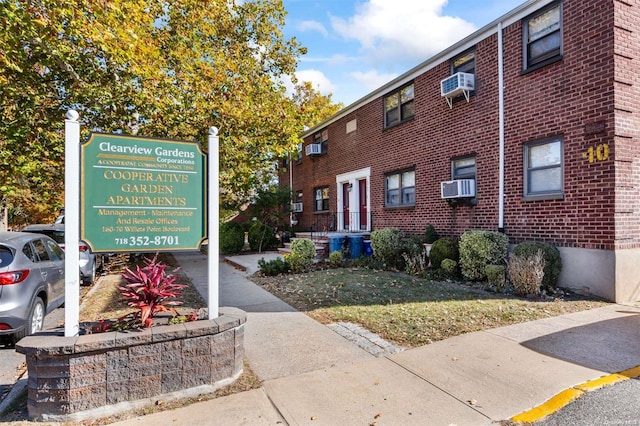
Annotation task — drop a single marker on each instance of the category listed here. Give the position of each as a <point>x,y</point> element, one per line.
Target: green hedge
<point>479,249</point>
<point>441,249</point>
<point>231,238</point>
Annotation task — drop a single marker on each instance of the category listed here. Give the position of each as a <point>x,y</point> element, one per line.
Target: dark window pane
<point>393,117</point>
<point>393,197</point>
<point>41,250</point>
<point>28,251</point>
<point>407,110</point>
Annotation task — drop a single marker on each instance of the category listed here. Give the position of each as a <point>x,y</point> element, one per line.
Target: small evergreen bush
<point>261,237</point>
<point>443,248</point>
<point>496,276</point>
<point>336,259</point>
<point>449,267</point>
<point>231,238</point>
<point>479,249</point>
<point>297,262</point>
<point>526,273</point>
<point>304,247</point>
<point>273,267</point>
<point>551,256</point>
<point>430,234</point>
<point>387,246</point>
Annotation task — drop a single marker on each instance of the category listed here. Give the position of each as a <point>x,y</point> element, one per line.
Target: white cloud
<point>333,60</point>
<point>312,26</point>
<point>372,80</point>
<point>318,80</point>
<point>407,29</point>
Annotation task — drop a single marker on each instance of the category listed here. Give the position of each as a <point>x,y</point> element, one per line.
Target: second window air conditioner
<point>313,149</point>
<point>460,188</point>
<point>297,207</point>
<point>457,84</point>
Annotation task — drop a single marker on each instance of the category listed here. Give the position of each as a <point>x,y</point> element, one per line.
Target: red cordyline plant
<point>151,290</point>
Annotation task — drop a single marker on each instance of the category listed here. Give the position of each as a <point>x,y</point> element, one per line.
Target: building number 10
<point>599,153</point>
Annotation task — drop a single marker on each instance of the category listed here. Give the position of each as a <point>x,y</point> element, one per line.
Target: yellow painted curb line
<point>563,398</point>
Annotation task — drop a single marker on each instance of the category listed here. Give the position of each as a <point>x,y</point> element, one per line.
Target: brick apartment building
<point>538,109</point>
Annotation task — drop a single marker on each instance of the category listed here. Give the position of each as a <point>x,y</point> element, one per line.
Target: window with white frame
<point>398,106</point>
<point>543,169</point>
<point>321,199</point>
<point>542,37</point>
<point>400,189</point>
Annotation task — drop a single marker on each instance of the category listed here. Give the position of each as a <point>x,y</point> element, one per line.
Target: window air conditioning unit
<point>297,207</point>
<point>313,149</point>
<point>461,83</point>
<point>461,188</point>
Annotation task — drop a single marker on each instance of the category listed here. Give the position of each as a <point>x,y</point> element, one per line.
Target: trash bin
<point>368,251</point>
<point>335,243</point>
<point>355,246</point>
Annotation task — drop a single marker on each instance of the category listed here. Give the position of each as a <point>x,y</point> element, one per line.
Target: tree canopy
<point>152,68</point>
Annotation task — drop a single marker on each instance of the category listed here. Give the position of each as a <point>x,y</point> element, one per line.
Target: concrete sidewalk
<point>314,376</point>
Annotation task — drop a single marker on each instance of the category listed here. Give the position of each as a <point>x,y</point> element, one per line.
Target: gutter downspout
<point>501,131</point>
<point>291,188</point>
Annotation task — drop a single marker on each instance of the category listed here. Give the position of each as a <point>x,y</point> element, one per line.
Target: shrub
<point>526,273</point>
<point>551,256</point>
<point>273,267</point>
<point>261,237</point>
<point>151,290</point>
<point>297,262</point>
<point>449,267</point>
<point>415,262</point>
<point>387,246</point>
<point>443,248</point>
<point>479,249</point>
<point>304,247</point>
<point>336,259</point>
<point>231,238</point>
<point>430,234</point>
<point>495,276</point>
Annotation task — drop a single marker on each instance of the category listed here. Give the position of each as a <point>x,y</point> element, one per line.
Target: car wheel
<point>35,320</point>
<point>92,277</point>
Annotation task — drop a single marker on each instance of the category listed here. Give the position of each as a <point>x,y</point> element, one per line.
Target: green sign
<point>142,194</point>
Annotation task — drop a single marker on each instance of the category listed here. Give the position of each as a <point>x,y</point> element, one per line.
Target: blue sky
<point>356,46</point>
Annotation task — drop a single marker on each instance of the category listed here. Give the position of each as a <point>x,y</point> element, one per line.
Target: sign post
<point>214,218</point>
<point>71,238</point>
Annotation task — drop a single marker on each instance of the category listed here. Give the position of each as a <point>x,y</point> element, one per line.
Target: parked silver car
<point>90,263</point>
<point>31,282</point>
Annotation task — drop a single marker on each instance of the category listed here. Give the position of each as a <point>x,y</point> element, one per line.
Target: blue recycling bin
<point>356,243</point>
<point>335,243</point>
<point>368,251</point>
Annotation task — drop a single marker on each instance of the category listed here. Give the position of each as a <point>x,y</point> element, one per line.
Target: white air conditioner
<point>461,188</point>
<point>297,207</point>
<point>313,149</point>
<point>461,83</point>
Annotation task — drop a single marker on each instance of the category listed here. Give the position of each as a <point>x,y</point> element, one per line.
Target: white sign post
<point>72,224</point>
<point>213,225</point>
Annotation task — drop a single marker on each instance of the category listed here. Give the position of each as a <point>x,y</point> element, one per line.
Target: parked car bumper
<point>13,316</point>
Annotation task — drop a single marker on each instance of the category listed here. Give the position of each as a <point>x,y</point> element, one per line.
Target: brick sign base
<point>75,378</point>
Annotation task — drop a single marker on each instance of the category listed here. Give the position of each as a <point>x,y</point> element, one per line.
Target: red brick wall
<point>588,98</point>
